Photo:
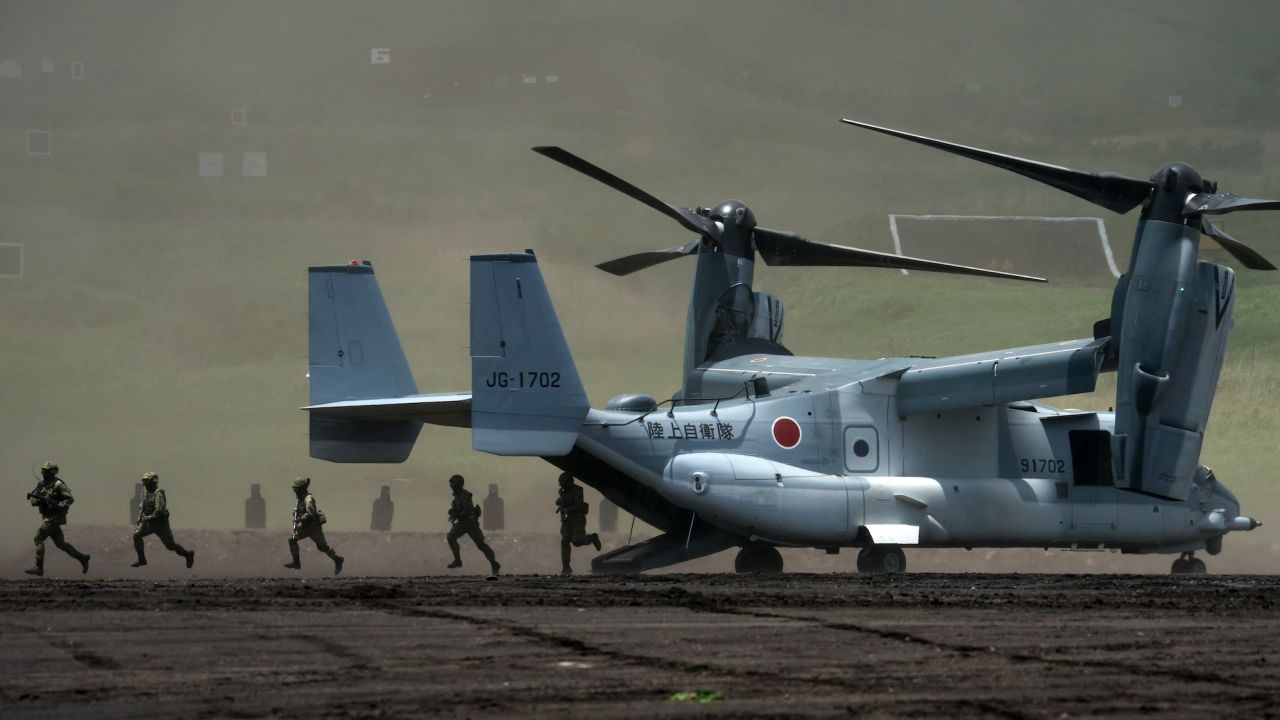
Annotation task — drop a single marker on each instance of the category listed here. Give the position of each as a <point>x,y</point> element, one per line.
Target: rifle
<point>37,499</point>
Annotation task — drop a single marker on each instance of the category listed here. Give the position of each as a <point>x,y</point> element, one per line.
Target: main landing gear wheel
<point>1188,564</point>
<point>882,560</point>
<point>763,559</point>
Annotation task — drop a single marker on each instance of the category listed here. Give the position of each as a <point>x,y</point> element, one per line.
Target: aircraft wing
<point>450,408</point>
<point>1024,373</point>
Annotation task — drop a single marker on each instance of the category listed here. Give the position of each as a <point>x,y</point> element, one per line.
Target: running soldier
<point>307,520</point>
<point>573,521</point>
<point>464,515</point>
<point>52,497</point>
<point>153,519</point>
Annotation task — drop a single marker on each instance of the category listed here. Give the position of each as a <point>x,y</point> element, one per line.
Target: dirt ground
<point>795,645</point>
<point>261,553</point>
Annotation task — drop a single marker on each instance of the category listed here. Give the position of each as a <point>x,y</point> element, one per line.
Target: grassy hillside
<point>159,324</point>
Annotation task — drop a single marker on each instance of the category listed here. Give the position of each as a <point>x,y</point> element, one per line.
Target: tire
<point>865,561</point>
<point>763,559</point>
<point>1179,567</point>
<point>882,560</point>
<point>893,561</point>
<point>1196,566</point>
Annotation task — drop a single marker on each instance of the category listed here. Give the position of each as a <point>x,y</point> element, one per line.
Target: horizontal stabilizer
<point>356,441</point>
<point>450,409</point>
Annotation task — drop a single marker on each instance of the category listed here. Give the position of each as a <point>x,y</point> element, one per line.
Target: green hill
<point>159,322</point>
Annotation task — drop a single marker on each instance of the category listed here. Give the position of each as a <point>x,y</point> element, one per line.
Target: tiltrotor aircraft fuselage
<point>763,449</point>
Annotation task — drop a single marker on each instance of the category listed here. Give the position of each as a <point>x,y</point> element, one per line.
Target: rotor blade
<point>784,248</point>
<point>687,218</point>
<point>631,263</point>
<point>1222,203</point>
<point>1110,190</point>
<point>1245,254</point>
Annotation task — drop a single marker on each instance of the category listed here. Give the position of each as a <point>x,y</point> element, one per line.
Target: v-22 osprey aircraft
<point>762,449</point>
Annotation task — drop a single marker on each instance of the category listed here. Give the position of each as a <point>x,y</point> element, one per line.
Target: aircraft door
<point>1093,494</point>
<point>862,435</point>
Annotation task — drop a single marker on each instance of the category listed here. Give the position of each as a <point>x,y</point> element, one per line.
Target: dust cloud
<point>171,169</point>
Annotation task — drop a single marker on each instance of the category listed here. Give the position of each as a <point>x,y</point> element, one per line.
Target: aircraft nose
<point>1243,523</point>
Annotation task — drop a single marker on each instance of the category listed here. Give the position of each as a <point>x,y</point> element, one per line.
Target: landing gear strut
<point>882,560</point>
<point>763,559</point>
<point>1188,564</point>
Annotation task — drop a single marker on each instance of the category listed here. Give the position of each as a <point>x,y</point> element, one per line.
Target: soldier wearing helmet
<point>52,497</point>
<point>573,521</point>
<point>307,522</point>
<point>153,519</point>
<point>464,515</point>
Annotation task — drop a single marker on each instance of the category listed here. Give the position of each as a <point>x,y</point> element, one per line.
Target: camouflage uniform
<point>153,519</point>
<point>307,522</point>
<point>573,521</point>
<point>465,516</point>
<point>52,497</point>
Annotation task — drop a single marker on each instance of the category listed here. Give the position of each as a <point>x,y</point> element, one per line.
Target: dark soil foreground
<point>926,645</point>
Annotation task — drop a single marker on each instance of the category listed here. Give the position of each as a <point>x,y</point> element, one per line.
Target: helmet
<point>455,481</point>
<point>566,479</point>
<point>150,477</point>
<point>49,465</point>
<point>301,483</point>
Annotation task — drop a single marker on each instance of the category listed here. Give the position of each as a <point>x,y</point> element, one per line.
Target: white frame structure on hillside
<point>1097,222</point>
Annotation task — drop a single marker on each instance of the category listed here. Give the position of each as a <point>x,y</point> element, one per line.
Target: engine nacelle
<point>1176,315</point>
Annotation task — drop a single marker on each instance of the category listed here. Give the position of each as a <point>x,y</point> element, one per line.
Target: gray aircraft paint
<point>353,354</point>
<point>526,396</point>
<point>755,488</point>
<point>937,468</point>
<point>1177,314</point>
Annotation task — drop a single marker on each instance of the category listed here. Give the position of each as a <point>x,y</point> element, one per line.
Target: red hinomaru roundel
<point>786,432</point>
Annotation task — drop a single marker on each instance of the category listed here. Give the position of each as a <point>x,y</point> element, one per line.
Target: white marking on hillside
<point>1102,229</point>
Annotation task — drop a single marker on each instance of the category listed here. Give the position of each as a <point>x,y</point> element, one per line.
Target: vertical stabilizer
<point>527,398</point>
<point>355,354</point>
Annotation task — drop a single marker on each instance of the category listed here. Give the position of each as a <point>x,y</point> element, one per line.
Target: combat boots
<point>84,564</point>
<point>457,563</point>
<point>190,557</point>
<point>37,569</point>
<point>494,566</point>
<point>337,564</point>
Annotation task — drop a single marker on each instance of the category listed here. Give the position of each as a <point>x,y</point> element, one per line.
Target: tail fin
<point>526,396</point>
<point>355,354</point>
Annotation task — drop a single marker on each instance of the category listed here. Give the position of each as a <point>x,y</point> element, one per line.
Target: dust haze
<point>158,320</point>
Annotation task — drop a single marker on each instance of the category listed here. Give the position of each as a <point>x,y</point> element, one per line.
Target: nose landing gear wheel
<point>763,559</point>
<point>882,560</point>
<point>1188,564</point>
